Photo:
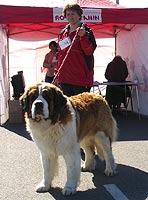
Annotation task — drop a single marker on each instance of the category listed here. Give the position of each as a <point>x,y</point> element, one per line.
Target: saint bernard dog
<point>60,125</point>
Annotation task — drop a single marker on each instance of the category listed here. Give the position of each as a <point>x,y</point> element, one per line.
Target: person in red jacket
<point>76,45</point>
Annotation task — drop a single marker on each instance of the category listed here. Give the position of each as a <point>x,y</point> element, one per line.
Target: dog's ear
<point>57,101</point>
<point>60,99</point>
<point>24,101</point>
<point>57,104</point>
<point>62,107</point>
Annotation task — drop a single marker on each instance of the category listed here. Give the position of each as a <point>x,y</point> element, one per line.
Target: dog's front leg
<point>73,164</point>
<point>48,165</point>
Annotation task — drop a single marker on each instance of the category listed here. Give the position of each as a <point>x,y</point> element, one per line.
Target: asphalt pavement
<point>20,168</point>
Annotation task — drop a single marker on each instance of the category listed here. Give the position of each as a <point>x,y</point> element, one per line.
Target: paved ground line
<point>115,192</point>
<point>51,197</point>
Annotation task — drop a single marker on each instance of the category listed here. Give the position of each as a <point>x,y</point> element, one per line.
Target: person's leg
<point>67,89</point>
<point>120,96</point>
<point>71,90</point>
<point>51,79</point>
<point>80,89</point>
<point>109,96</point>
<point>47,79</point>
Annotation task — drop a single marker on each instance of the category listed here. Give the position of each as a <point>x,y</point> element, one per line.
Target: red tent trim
<point>41,18</point>
<point>26,14</point>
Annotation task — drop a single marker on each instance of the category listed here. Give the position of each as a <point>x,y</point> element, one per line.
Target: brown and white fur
<point>59,125</point>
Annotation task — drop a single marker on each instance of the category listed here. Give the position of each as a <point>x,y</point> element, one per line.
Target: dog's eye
<point>45,94</point>
<point>34,96</point>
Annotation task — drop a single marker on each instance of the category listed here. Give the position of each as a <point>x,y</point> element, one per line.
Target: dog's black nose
<point>38,108</point>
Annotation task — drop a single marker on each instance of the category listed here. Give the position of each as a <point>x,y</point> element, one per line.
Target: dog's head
<point>44,101</point>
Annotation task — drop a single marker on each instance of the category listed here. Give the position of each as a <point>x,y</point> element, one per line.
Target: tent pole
<point>115,44</point>
<point>115,36</point>
<point>8,60</point>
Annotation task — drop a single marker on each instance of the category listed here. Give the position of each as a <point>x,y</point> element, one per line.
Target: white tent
<point>25,37</point>
<point>132,45</point>
<point>4,85</point>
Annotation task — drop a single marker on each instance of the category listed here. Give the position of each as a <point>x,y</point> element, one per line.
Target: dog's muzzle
<point>39,109</point>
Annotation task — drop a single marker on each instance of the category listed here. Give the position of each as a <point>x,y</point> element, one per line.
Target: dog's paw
<point>41,187</point>
<point>68,191</point>
<point>110,171</point>
<point>89,167</point>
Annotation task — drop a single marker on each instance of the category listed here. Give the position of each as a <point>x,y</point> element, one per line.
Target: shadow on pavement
<point>19,129</point>
<point>131,128</point>
<point>132,183</point>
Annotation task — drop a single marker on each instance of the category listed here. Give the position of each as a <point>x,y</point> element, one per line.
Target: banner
<point>89,15</point>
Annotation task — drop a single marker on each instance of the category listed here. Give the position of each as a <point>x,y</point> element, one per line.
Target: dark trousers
<point>49,79</point>
<point>71,90</point>
<point>115,95</point>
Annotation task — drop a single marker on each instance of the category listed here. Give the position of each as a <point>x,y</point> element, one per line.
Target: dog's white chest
<point>55,139</point>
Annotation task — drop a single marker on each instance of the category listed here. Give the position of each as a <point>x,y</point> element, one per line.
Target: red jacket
<point>75,69</point>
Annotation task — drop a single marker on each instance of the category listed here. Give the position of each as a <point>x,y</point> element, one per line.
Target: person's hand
<point>81,31</point>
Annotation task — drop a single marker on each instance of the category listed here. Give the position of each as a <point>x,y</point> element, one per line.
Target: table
<point>131,84</point>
